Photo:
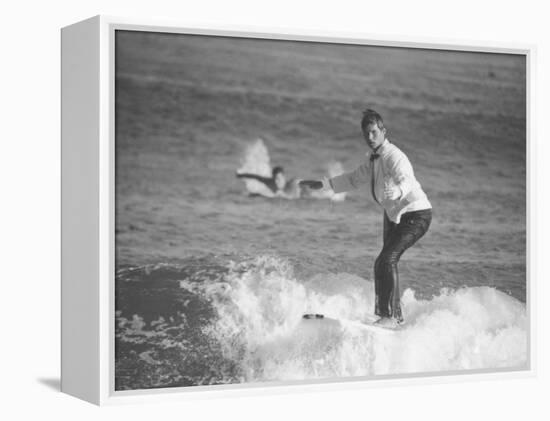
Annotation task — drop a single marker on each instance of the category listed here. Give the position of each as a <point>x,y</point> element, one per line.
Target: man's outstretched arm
<point>351,180</point>
<point>341,183</point>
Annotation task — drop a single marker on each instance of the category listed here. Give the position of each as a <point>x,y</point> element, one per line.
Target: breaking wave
<point>258,306</point>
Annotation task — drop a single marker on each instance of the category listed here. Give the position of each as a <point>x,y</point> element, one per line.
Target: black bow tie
<point>374,156</point>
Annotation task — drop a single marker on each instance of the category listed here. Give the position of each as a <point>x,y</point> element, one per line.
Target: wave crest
<point>259,304</point>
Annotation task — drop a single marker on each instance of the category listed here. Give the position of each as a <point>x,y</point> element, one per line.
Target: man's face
<point>374,136</point>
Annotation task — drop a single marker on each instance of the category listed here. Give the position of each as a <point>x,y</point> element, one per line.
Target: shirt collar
<point>380,148</point>
<point>383,146</point>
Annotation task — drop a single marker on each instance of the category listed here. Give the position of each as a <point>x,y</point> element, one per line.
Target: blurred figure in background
<point>261,180</point>
<point>276,184</point>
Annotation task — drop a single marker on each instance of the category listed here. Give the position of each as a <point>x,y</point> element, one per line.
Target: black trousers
<point>397,239</point>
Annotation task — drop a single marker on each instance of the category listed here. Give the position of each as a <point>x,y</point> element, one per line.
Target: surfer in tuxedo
<point>388,175</point>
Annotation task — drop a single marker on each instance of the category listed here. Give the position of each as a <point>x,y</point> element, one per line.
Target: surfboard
<point>322,321</point>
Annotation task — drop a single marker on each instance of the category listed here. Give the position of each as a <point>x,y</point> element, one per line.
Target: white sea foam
<point>260,306</point>
<point>256,160</point>
<point>334,168</point>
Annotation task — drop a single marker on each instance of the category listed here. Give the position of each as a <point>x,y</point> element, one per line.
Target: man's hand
<point>392,192</point>
<point>312,184</point>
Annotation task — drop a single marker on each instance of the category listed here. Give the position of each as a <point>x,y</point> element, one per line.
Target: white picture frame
<point>88,243</point>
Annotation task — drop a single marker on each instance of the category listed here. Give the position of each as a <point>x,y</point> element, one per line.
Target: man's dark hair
<point>276,171</point>
<point>371,117</point>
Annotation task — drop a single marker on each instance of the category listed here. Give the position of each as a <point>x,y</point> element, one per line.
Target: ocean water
<point>207,322</point>
<point>211,283</point>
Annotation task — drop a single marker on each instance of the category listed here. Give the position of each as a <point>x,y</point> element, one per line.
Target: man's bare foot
<point>387,322</point>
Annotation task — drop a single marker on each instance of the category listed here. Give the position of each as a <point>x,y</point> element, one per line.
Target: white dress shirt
<point>391,167</point>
